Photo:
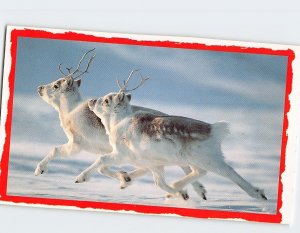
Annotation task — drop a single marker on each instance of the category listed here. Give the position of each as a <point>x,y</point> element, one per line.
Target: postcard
<point>145,124</point>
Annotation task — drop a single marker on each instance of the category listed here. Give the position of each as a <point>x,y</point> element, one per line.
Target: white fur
<point>131,146</point>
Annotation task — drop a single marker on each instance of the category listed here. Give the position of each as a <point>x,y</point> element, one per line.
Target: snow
<point>59,183</point>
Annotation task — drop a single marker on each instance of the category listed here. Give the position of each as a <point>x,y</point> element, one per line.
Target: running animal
<point>151,141</point>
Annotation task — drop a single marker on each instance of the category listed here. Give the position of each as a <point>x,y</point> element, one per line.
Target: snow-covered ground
<point>253,149</point>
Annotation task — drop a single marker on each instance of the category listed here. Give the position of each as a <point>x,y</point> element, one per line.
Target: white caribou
<point>151,141</point>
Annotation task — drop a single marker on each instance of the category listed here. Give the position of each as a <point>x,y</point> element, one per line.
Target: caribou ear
<point>78,82</point>
<point>128,97</point>
<point>121,97</point>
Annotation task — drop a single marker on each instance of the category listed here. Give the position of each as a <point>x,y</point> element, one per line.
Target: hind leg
<point>159,179</point>
<point>223,169</point>
<point>189,178</point>
<point>176,188</point>
<point>197,186</point>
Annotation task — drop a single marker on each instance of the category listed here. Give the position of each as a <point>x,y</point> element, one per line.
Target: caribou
<point>150,141</point>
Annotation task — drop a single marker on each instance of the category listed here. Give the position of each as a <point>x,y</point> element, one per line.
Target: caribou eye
<point>106,101</point>
<point>55,86</point>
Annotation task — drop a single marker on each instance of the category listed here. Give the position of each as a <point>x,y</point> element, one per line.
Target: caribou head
<point>115,102</point>
<point>68,84</point>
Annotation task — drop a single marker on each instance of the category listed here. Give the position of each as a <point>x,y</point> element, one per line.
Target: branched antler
<point>77,70</point>
<point>69,69</point>
<point>86,69</point>
<point>59,67</point>
<point>125,83</point>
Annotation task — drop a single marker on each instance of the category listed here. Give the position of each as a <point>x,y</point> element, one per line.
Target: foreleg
<point>67,149</point>
<point>124,177</point>
<point>132,175</point>
<point>85,175</point>
<point>102,164</point>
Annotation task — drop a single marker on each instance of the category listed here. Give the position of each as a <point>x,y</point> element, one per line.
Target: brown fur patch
<point>91,117</point>
<point>185,128</point>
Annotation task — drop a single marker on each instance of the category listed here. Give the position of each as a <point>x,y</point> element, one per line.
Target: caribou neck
<point>115,117</point>
<point>68,103</point>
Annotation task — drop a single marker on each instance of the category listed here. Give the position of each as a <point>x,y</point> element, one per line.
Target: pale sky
<point>178,76</point>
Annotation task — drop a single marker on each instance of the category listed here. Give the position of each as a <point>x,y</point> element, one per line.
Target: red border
<point>31,33</point>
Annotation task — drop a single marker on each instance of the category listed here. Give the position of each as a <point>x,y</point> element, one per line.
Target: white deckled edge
<point>177,39</point>
<point>91,209</point>
<point>5,89</point>
<point>289,175</point>
<point>110,211</point>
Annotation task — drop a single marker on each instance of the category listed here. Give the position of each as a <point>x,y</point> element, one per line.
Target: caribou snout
<point>40,90</point>
<point>91,103</point>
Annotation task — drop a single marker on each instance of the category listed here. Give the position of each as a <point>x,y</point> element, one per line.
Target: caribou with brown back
<point>152,141</point>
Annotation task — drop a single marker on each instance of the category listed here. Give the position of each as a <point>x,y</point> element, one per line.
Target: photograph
<point>145,124</point>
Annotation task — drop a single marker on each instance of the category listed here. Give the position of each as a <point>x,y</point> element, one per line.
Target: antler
<point>59,67</point>
<point>125,83</point>
<point>87,67</point>
<point>78,66</point>
<point>69,69</point>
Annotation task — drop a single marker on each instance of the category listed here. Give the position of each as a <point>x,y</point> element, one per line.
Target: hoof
<point>40,170</point>
<point>200,190</point>
<point>259,194</point>
<point>264,197</point>
<point>169,195</point>
<point>81,178</point>
<point>181,194</point>
<point>125,180</point>
<point>184,195</point>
